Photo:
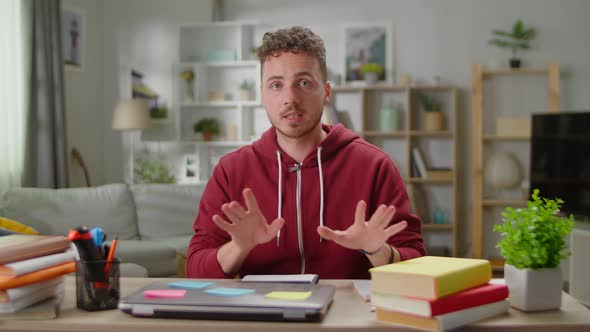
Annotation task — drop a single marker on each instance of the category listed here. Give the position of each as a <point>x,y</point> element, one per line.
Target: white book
<point>19,268</point>
<point>13,294</point>
<point>48,309</point>
<point>30,299</point>
<point>419,162</point>
<point>444,322</point>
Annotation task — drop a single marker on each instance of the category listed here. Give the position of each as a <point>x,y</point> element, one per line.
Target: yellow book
<point>430,277</point>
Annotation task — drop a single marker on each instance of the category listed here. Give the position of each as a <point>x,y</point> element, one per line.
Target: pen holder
<point>97,285</point>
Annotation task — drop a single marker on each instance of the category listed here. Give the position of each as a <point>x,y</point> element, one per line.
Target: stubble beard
<point>304,130</point>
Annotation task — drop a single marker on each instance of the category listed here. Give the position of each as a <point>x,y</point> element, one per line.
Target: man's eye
<point>304,83</point>
<point>275,85</point>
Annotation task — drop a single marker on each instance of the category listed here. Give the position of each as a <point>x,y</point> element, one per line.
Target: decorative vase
<point>371,78</point>
<point>245,95</point>
<point>502,171</point>
<point>533,290</point>
<point>515,63</point>
<point>433,121</point>
<point>189,90</point>
<point>388,119</point>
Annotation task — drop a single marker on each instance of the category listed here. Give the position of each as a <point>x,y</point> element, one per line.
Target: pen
<point>111,256</point>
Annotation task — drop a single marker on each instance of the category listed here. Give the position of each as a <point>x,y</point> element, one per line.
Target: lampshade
<point>131,114</point>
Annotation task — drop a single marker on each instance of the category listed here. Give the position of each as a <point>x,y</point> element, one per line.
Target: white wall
<point>120,34</point>
<point>444,38</point>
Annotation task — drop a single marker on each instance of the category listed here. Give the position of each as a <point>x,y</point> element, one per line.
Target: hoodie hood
<point>338,137</point>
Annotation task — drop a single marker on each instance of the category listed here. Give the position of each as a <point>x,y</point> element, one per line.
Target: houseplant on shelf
<point>246,88</point>
<point>208,127</point>
<point>371,72</point>
<point>433,116</point>
<point>516,39</point>
<point>533,244</point>
<point>188,76</point>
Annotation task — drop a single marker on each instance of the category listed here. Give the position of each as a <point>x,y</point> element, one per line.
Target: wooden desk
<point>348,313</point>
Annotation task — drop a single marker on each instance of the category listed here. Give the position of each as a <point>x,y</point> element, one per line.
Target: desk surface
<point>348,312</point>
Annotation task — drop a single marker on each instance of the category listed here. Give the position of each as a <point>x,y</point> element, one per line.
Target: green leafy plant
<point>371,67</point>
<point>534,237</point>
<point>247,85</point>
<point>150,169</point>
<point>159,112</point>
<point>518,38</point>
<point>207,125</point>
<point>429,104</point>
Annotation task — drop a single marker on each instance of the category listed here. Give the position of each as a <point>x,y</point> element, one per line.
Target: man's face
<point>294,93</point>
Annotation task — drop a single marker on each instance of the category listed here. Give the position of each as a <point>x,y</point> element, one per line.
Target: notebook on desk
<point>230,300</point>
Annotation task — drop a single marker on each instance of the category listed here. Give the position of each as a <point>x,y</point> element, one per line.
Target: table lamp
<point>131,115</point>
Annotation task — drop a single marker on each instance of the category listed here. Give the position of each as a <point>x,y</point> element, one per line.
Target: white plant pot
<point>533,290</point>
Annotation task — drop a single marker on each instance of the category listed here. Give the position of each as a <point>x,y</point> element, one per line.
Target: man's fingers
<point>221,223</point>
<point>276,225</point>
<point>378,215</point>
<point>233,211</point>
<point>329,234</point>
<point>386,218</point>
<point>360,213</point>
<point>250,200</point>
<point>396,228</point>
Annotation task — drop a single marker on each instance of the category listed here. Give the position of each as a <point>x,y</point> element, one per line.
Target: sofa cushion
<point>159,259</point>
<point>179,243</point>
<point>56,211</point>
<point>166,210</point>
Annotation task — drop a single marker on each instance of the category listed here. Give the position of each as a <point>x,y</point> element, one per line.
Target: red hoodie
<point>351,170</point>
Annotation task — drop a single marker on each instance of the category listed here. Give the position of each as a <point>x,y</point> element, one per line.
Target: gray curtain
<point>46,156</point>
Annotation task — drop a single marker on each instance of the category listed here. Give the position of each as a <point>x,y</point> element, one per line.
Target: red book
<point>469,298</point>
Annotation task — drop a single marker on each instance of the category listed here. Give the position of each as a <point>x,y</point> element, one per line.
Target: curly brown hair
<point>294,39</point>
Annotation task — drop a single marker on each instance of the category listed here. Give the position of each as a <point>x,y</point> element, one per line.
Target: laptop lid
<point>230,300</point>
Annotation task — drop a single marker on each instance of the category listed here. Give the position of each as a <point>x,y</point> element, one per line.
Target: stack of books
<point>436,293</point>
<point>31,274</point>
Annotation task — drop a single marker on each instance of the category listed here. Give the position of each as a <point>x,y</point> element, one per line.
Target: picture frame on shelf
<point>190,168</point>
<point>366,43</point>
<point>73,31</point>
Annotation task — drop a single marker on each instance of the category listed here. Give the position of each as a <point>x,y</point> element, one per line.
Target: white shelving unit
<point>221,56</point>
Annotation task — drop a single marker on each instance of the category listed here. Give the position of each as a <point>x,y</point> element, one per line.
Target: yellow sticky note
<point>296,296</point>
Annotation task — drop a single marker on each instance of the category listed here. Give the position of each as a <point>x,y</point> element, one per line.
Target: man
<point>296,200</point>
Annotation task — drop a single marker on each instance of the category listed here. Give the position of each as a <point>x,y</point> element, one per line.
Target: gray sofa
<point>153,222</point>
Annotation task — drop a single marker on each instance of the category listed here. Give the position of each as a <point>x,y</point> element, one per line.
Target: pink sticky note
<point>164,293</point>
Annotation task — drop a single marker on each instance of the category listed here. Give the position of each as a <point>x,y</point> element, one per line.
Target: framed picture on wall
<point>368,43</point>
<point>73,32</point>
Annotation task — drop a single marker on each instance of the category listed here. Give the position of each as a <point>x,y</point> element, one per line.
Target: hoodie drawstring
<point>279,191</point>
<point>280,205</point>
<point>321,187</point>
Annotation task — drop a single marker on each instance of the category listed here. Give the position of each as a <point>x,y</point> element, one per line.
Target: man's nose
<point>291,96</point>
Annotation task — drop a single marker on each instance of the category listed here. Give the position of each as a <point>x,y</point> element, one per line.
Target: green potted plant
<point>533,243</point>
<point>246,88</point>
<point>433,115</point>
<point>371,72</point>
<point>517,39</point>
<point>151,169</point>
<point>208,127</point>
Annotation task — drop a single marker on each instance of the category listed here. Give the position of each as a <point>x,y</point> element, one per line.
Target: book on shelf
<point>473,297</point>
<point>55,288</point>
<point>13,294</point>
<point>430,277</point>
<point>47,309</point>
<point>439,173</point>
<point>419,162</point>
<point>18,247</point>
<point>37,276</point>
<point>35,264</point>
<point>444,322</point>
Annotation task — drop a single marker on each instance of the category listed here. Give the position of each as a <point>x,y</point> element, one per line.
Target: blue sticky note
<point>229,291</point>
<point>189,284</point>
